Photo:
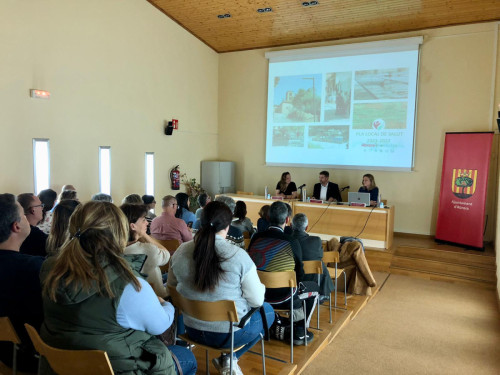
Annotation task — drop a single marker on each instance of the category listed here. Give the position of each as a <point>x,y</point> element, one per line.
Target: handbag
<point>280,330</point>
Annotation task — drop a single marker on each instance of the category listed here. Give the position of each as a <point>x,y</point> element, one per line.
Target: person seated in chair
<point>212,269</point>
<point>36,241</point>
<point>312,249</point>
<point>20,290</point>
<point>275,251</point>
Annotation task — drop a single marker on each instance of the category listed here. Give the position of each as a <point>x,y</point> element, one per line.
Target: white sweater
<point>156,257</point>
<point>239,283</point>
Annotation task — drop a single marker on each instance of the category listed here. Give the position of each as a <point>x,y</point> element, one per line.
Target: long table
<point>375,226</point>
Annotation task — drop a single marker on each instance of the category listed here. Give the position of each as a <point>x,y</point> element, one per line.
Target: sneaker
<point>299,336</point>
<point>222,364</point>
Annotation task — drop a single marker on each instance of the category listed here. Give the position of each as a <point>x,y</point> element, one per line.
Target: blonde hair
<point>373,185</point>
<point>98,234</point>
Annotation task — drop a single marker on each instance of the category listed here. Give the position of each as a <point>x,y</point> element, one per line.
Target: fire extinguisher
<point>175,178</point>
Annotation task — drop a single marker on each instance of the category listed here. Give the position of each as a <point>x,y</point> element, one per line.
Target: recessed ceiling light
<point>220,16</point>
<point>268,9</point>
<point>260,10</point>
<point>227,15</point>
<point>305,4</point>
<point>313,3</point>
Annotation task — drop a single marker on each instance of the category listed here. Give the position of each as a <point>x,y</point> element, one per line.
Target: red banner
<point>464,180</point>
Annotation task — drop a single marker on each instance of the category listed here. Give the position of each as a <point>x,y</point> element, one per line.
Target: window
<point>150,173</point>
<point>41,164</point>
<point>105,169</point>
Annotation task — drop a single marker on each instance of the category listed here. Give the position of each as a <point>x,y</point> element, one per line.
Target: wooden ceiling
<point>290,22</point>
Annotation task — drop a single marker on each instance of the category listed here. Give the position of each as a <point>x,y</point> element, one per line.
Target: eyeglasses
<point>38,205</point>
<point>174,204</point>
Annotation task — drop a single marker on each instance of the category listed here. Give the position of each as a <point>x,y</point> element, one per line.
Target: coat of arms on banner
<point>463,183</point>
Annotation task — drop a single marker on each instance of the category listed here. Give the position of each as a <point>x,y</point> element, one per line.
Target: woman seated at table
<point>95,298</point>
<point>211,269</point>
<point>369,186</point>
<point>286,187</point>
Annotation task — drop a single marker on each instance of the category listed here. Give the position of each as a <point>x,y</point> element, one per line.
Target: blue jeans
<point>186,360</point>
<point>247,336</point>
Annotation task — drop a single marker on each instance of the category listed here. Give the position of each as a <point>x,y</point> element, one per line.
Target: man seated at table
<point>167,226</point>
<point>326,190</point>
<point>20,290</point>
<point>275,251</point>
<point>312,249</point>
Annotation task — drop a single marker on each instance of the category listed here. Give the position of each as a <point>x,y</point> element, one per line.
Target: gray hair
<point>228,201</point>
<point>299,222</point>
<point>101,197</point>
<point>278,212</point>
<point>132,199</point>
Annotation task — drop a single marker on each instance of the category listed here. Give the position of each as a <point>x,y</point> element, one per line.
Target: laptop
<point>358,199</point>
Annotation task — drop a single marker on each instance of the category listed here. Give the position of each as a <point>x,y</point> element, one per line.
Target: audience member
<point>20,292</point>
<point>67,187</point>
<point>183,209</point>
<point>211,269</point>
<point>35,243</point>
<point>275,251</point>
<point>167,226</point>
<point>150,203</point>
<point>48,198</point>
<point>312,249</point>
<point>203,200</point>
<point>68,194</point>
<point>139,242</point>
<point>95,298</point>
<point>132,199</point>
<point>60,223</point>
<point>263,221</point>
<point>234,235</point>
<point>101,197</point>
<point>240,219</point>
<point>288,227</point>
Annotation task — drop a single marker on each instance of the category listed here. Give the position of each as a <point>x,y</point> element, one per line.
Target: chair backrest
<point>331,257</point>
<point>7,331</point>
<point>170,245</point>
<point>239,192</point>
<point>203,310</point>
<point>324,244</point>
<point>71,362</point>
<point>313,266</point>
<point>284,279</point>
<point>246,234</point>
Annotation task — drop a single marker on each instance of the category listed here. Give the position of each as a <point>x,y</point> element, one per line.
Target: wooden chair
<point>285,279</point>
<point>224,310</point>
<point>315,267</point>
<point>335,273</point>
<point>8,333</point>
<point>171,246</point>
<point>239,192</point>
<point>71,362</point>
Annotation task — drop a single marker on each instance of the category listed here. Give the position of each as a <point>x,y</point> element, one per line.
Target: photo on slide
<point>381,84</point>
<point>297,99</point>
<point>323,137</point>
<point>379,116</point>
<point>338,88</point>
<point>288,136</point>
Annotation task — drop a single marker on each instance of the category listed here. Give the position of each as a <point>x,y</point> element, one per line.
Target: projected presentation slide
<point>354,111</point>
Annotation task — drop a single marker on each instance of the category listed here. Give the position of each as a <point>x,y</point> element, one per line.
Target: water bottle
<point>304,194</point>
<point>265,193</point>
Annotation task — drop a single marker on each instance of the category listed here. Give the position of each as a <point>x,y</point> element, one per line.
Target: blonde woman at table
<point>369,186</point>
<point>286,187</point>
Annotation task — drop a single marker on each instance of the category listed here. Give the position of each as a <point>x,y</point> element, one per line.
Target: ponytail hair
<point>215,217</point>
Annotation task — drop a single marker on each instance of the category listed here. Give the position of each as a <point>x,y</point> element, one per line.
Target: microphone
<point>345,187</point>
<point>301,186</point>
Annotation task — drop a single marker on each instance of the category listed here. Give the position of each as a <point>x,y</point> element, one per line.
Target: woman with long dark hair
<point>48,198</point>
<point>183,209</point>
<point>240,220</point>
<point>211,269</point>
<point>95,298</point>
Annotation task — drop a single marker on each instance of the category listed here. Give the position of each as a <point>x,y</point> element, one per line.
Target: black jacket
<point>332,191</point>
